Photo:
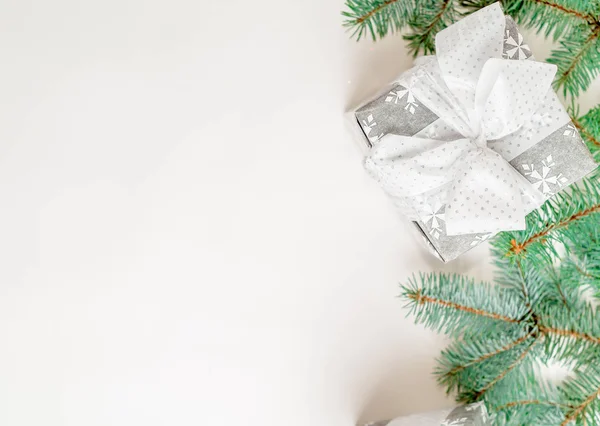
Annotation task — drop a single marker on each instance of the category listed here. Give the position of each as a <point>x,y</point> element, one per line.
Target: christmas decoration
<point>529,345</point>
<point>467,415</point>
<point>502,156</point>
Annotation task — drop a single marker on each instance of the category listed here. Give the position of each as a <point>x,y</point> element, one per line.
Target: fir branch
<point>541,236</point>
<point>469,364</point>
<point>578,410</point>
<point>421,299</point>
<point>552,17</point>
<point>583,15</point>
<point>570,333</point>
<point>523,399</point>
<point>521,357</point>
<point>587,135</point>
<point>533,402</point>
<point>488,355</point>
<point>433,16</point>
<point>581,271</point>
<point>377,17</point>
<point>523,286</point>
<point>578,59</point>
<point>565,217</point>
<point>589,128</point>
<point>451,303</point>
<point>583,391</point>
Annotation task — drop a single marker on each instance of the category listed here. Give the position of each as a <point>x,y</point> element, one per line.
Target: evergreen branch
<point>533,402</point>
<point>534,12</point>
<point>375,10</point>
<point>581,270</point>
<point>586,273</point>
<point>505,348</point>
<point>583,391</point>
<point>377,17</point>
<point>523,285</point>
<point>454,304</point>
<point>434,16</point>
<point>553,17</point>
<point>570,333</point>
<point>578,410</point>
<point>422,299</point>
<point>585,133</point>
<point>521,357</point>
<point>472,362</point>
<point>558,285</point>
<point>565,217</point>
<point>589,128</point>
<point>577,59</point>
<point>518,248</point>
<point>584,16</point>
<point>521,398</point>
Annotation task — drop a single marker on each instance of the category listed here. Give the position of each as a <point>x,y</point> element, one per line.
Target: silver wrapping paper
<point>559,160</point>
<point>465,415</point>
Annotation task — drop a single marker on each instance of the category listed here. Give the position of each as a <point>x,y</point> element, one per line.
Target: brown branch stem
<point>421,299</point>
<point>505,372</point>
<point>573,415</point>
<point>438,16</point>
<point>586,45</point>
<point>586,17</point>
<point>370,13</point>
<point>518,248</point>
<point>524,289</point>
<point>569,333</point>
<point>505,348</point>
<point>584,132</point>
<point>533,402</point>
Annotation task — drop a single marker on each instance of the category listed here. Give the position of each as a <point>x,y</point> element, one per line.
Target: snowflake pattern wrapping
<point>547,151</point>
<point>433,217</point>
<point>396,96</point>
<point>545,179</point>
<point>517,49</point>
<point>368,125</point>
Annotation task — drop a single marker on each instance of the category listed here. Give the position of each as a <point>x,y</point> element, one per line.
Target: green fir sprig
<point>574,23</point>
<point>432,17</point>
<point>504,334</point>
<point>377,17</point>
<point>577,59</point>
<point>589,128</point>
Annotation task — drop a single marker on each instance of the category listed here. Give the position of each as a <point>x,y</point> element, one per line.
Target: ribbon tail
<point>486,196</point>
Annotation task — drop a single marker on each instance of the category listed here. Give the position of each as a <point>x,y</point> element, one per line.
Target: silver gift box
<point>465,415</point>
<point>559,160</point>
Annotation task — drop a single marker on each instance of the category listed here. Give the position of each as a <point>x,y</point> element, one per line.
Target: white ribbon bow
<point>483,98</point>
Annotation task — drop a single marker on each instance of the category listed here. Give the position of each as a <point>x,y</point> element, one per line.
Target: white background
<point>187,235</point>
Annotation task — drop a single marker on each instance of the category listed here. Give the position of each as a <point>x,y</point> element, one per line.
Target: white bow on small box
<point>483,99</point>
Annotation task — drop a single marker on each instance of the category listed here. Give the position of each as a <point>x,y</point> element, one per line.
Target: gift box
<point>465,415</point>
<point>468,142</point>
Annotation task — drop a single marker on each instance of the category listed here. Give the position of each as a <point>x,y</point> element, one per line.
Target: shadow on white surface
<point>403,391</point>
<point>374,65</point>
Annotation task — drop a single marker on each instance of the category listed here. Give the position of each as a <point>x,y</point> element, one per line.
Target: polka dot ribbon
<point>484,98</point>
